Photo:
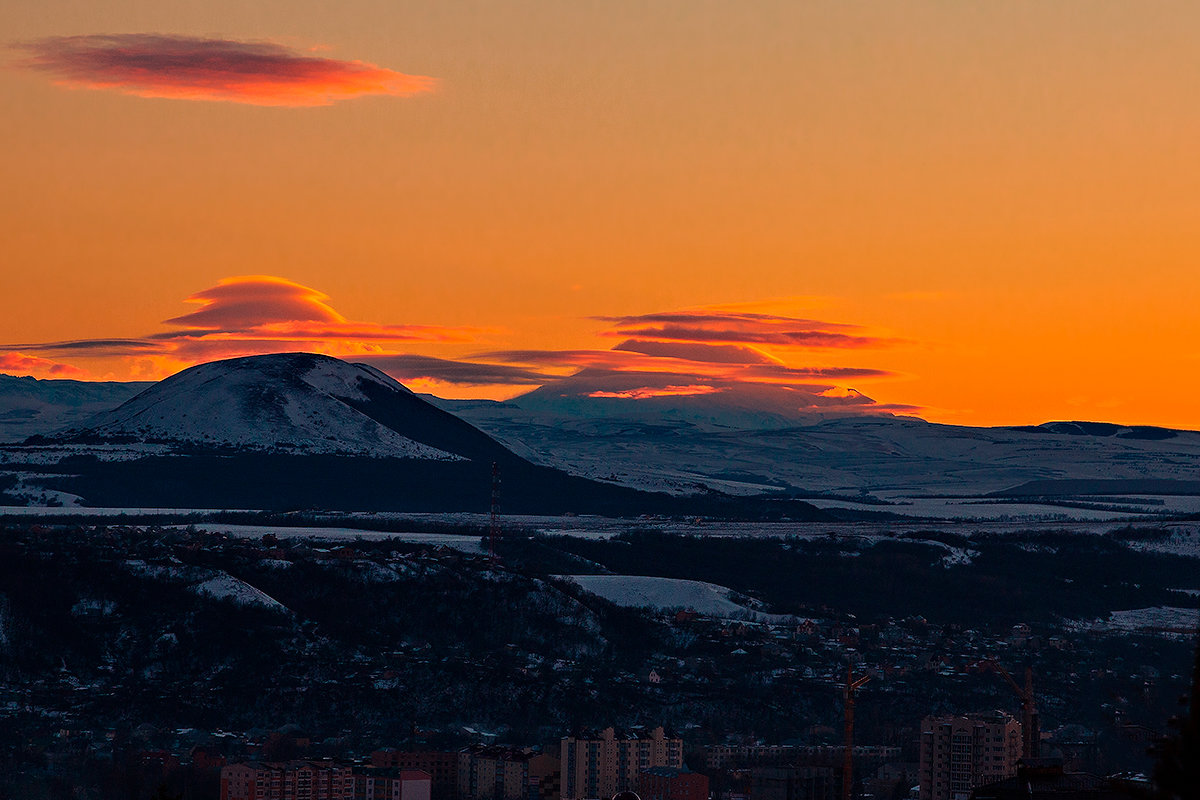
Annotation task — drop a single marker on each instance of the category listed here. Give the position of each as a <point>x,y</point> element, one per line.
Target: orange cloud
<point>691,351</point>
<point>463,373</point>
<point>712,350</point>
<point>711,325</point>
<point>749,396</point>
<point>257,314</point>
<point>249,315</point>
<point>90,347</point>
<point>265,307</point>
<point>626,361</point>
<point>253,300</point>
<point>21,364</point>
<point>644,392</point>
<point>197,68</point>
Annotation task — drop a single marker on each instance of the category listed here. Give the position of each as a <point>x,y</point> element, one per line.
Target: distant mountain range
<point>300,430</point>
<point>29,406</point>
<point>685,447</point>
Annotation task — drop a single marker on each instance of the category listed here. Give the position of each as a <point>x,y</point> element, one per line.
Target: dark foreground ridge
<point>283,482</point>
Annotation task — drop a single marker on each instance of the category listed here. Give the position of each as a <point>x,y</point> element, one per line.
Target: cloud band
<point>197,68</point>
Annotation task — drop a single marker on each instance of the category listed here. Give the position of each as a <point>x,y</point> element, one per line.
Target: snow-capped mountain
<point>292,403</point>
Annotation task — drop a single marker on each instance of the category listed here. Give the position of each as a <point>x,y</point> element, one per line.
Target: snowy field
<point>978,510</point>
<point>470,544</point>
<point>83,512</point>
<point>1184,540</point>
<point>55,453</point>
<point>1122,508</point>
<point>1159,619</point>
<point>1177,538</point>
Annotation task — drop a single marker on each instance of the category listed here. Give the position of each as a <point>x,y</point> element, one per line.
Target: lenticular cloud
<point>196,68</point>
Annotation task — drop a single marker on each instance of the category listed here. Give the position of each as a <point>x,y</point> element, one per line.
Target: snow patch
<point>1181,541</point>
<point>227,587</point>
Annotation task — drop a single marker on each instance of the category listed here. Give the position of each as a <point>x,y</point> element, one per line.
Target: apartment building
<point>597,765</point>
<point>292,780</point>
<point>488,772</point>
<point>959,753</point>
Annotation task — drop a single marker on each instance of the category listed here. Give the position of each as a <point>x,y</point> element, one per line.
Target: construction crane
<point>849,691</point>
<point>1030,724</point>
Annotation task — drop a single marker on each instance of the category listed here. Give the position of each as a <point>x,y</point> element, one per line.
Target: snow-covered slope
<point>226,587</point>
<point>287,403</point>
<point>663,594</point>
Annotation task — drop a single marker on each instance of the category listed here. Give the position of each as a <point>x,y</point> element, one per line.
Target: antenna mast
<point>494,527</point>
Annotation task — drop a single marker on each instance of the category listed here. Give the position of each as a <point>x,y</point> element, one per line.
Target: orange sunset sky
<point>986,212</point>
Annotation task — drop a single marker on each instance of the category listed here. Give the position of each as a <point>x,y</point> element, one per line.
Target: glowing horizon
<point>701,352</point>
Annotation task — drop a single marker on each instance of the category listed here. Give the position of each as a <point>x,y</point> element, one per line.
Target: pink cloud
<point>199,68</point>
